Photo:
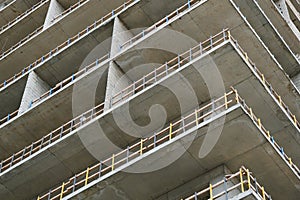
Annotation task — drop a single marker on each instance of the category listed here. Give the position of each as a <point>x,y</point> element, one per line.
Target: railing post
<point>62,190</point>
<point>241,180</point>
<point>178,60</point>
<point>74,183</point>
<point>190,54</point>
<point>211,42</point>
<point>86,176</point>
<point>127,154</point>
<point>196,117</point>
<point>1,166</point>
<point>229,35</point>
<point>154,140</point>
<point>259,122</point>
<point>170,132</point>
<point>225,188</point>
<point>195,196</point>
<point>211,191</point>
<point>141,147</point>
<point>183,124</point>
<point>113,162</point>
<point>201,48</point>
<point>248,179</point>
<point>263,193</point>
<point>166,64</point>
<point>100,169</point>
<point>225,99</point>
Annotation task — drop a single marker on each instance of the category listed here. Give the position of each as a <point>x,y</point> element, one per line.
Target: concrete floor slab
<point>240,143</point>
<point>23,27</point>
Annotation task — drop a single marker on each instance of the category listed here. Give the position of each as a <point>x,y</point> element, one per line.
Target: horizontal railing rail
<point>246,181</point>
<point>160,23</point>
<point>51,137</point>
<point>167,134</point>
<point>68,42</point>
<point>27,12</point>
<point>266,84</point>
<point>170,66</point>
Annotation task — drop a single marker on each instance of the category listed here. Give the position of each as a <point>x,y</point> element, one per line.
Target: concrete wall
<point>54,9</point>
<point>117,79</point>
<point>34,88</point>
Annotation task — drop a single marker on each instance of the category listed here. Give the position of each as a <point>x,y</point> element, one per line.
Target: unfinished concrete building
<point>149,99</point>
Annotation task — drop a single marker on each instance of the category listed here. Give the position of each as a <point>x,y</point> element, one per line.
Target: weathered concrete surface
<point>55,110</point>
<point>25,130</point>
<point>15,8</point>
<point>240,143</point>
<point>269,36</point>
<point>76,21</point>
<point>23,27</point>
<point>54,9</point>
<point>57,33</point>
<point>101,137</point>
<point>11,99</point>
<point>193,24</point>
<point>35,87</point>
<point>120,35</point>
<point>280,25</point>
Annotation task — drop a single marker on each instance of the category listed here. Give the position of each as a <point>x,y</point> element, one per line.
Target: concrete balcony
<point>63,145</point>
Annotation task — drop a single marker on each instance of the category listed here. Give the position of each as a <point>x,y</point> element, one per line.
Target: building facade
<point>149,99</point>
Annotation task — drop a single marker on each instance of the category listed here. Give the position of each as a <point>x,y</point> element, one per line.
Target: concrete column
<point>54,9</point>
<point>117,79</point>
<point>296,80</point>
<point>34,88</point>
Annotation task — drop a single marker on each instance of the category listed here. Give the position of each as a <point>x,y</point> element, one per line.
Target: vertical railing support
<point>62,190</point>
<point>241,180</point>
<point>170,132</point>
<point>211,192</point>
<point>86,176</point>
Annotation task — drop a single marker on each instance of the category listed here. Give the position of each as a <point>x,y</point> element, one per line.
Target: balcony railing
<point>173,131</point>
<point>19,17</point>
<point>39,29</point>
<point>246,182</point>
<point>67,43</point>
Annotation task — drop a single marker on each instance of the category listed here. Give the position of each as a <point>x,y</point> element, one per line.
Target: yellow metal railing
<point>246,182</point>
<point>169,133</point>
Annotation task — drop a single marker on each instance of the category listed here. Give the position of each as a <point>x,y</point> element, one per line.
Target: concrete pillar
<point>281,5</point>
<point>54,9</point>
<point>117,79</point>
<point>296,80</point>
<point>34,88</point>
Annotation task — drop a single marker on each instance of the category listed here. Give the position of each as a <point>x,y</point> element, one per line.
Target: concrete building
<point>149,99</point>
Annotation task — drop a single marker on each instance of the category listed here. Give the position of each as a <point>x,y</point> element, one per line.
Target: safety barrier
<point>39,29</point>
<point>6,4</point>
<point>68,42</point>
<point>27,12</point>
<point>172,131</point>
<point>51,137</point>
<point>246,182</point>
<point>158,24</point>
<point>170,66</point>
<point>19,156</point>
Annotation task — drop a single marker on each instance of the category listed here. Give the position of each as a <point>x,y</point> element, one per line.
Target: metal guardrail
<point>186,57</point>
<point>246,182</point>
<point>158,24</point>
<point>38,30</point>
<point>49,139</point>
<point>178,62</point>
<point>172,131</point>
<point>70,41</point>
<point>27,12</point>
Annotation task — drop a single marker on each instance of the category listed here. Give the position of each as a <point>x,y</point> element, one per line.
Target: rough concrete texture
<point>34,88</point>
<point>54,9</point>
<point>116,79</point>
